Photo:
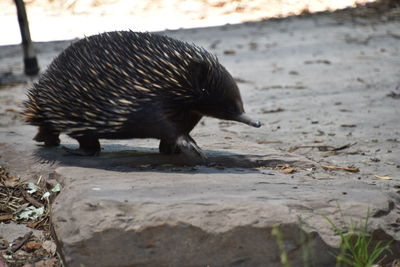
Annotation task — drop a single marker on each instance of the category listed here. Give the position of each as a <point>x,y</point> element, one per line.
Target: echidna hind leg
<point>48,136</point>
<point>88,146</point>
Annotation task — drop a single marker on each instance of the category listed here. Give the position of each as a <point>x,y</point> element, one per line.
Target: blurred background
<point>68,19</point>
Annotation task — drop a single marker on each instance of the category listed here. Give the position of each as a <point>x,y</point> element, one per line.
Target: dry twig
<point>21,242</point>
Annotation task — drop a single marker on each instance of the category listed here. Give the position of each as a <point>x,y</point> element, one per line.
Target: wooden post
<point>30,61</point>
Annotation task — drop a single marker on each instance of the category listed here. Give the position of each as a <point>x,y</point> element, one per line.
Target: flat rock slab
<point>203,216</point>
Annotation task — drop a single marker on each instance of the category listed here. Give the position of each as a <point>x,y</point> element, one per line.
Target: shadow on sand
<point>128,158</point>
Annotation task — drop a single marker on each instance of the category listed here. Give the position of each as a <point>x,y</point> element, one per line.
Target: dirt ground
<point>67,19</point>
<point>351,125</point>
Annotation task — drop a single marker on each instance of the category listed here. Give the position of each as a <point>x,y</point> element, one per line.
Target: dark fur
<point>124,84</point>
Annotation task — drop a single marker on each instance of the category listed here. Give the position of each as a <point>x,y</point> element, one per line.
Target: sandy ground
<point>299,105</point>
<point>61,19</point>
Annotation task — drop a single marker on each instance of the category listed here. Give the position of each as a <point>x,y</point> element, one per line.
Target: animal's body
<point>125,84</point>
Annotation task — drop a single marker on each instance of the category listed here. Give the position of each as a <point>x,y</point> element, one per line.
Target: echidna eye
<point>204,91</point>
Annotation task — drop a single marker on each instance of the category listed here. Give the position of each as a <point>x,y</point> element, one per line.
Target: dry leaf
<point>282,166</point>
<point>11,181</point>
<point>285,168</point>
<point>348,125</point>
<point>383,177</point>
<point>13,110</point>
<point>32,246</point>
<point>261,168</point>
<point>229,52</point>
<point>50,246</point>
<point>6,217</point>
<point>272,110</point>
<point>334,168</point>
<point>30,213</point>
<point>288,170</point>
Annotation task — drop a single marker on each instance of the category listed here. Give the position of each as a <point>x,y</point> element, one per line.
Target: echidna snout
<point>247,120</point>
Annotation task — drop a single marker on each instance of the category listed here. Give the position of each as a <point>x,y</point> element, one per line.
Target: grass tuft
<point>356,248</point>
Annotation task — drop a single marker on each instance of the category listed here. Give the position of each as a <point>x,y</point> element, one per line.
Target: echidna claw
<point>188,146</point>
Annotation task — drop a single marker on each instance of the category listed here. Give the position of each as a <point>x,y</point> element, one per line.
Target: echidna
<point>125,84</point>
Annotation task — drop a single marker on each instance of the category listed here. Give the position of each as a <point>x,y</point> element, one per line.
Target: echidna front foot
<point>168,148</point>
<point>184,144</point>
<point>188,146</point>
<point>88,146</point>
<point>48,136</point>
